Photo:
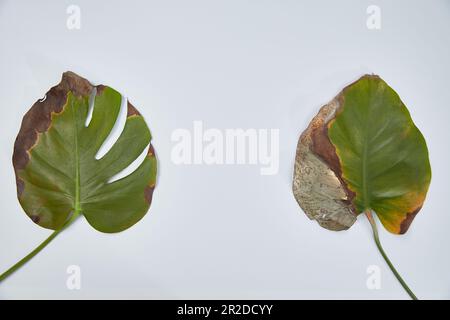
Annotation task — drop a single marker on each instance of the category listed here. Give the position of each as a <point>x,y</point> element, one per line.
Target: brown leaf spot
<point>79,86</point>
<point>322,147</point>
<point>35,219</point>
<point>151,151</point>
<point>404,226</point>
<point>20,186</point>
<point>100,89</point>
<point>148,193</point>
<point>131,111</point>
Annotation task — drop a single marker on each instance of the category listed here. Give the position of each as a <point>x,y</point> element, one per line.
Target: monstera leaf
<point>57,173</point>
<point>362,153</point>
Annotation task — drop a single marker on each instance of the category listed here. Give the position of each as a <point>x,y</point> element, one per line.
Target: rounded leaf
<point>371,150</point>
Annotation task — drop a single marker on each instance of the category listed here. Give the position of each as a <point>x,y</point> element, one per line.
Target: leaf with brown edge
<point>56,171</point>
<point>362,152</point>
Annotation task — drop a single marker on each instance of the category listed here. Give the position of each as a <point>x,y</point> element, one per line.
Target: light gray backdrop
<point>226,231</point>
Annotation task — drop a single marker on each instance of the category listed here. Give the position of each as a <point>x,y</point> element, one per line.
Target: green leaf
<point>362,152</point>
<point>57,174</point>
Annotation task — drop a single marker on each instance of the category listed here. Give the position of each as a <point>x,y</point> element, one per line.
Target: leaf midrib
<point>364,171</point>
<point>77,161</point>
<point>364,159</point>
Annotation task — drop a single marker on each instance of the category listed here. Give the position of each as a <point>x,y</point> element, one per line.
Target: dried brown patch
<point>322,147</point>
<point>38,118</point>
<point>151,151</point>
<point>148,193</point>
<point>100,89</point>
<point>79,86</point>
<point>404,226</point>
<point>20,186</point>
<point>131,111</point>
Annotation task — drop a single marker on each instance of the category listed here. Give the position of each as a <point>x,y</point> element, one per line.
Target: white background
<point>226,231</point>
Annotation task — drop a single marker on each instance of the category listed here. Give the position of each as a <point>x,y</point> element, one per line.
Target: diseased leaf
<point>57,173</point>
<point>362,152</point>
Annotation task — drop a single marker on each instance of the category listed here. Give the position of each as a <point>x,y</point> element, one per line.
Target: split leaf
<point>58,175</point>
<point>57,172</point>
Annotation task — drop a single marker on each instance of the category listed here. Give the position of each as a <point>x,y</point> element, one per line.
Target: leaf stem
<point>380,248</point>
<point>24,260</point>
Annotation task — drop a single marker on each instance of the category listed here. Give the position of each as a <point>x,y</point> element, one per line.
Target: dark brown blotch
<point>151,151</point>
<point>322,147</point>
<point>404,226</point>
<point>20,186</point>
<point>79,86</point>
<point>100,88</point>
<point>35,219</point>
<point>131,110</point>
<point>148,193</point>
<point>38,118</point>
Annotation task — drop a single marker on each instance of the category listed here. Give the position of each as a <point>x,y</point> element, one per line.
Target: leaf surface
<point>373,158</point>
<point>57,173</point>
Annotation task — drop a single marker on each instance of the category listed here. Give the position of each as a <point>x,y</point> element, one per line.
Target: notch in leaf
<point>57,173</point>
<point>363,153</point>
